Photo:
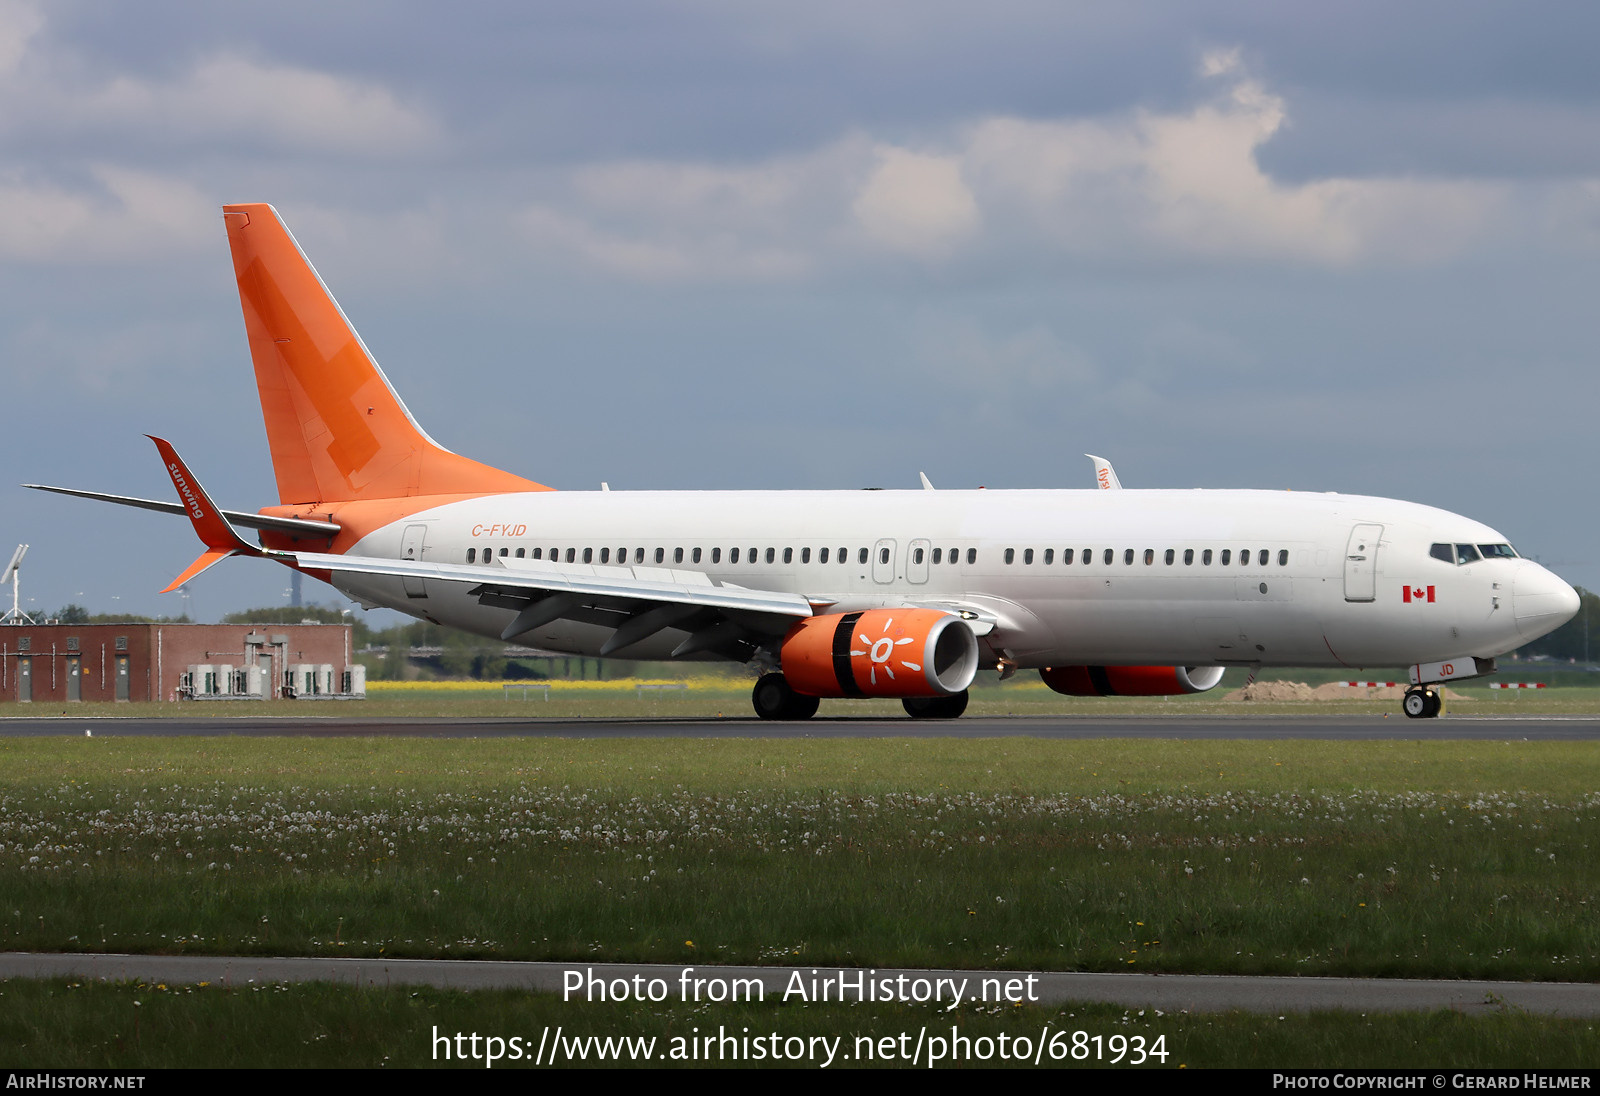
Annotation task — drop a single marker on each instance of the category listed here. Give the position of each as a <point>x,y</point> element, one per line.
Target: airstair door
<point>411,547</point>
<point>1361,563</point>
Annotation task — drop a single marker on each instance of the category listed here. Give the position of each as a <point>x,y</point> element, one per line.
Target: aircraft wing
<point>636,602</point>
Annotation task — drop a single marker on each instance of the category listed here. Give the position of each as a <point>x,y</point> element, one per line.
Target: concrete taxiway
<point>1169,992</point>
<point>1341,728</point>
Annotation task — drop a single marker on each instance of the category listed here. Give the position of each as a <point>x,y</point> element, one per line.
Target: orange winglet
<point>337,430</point>
<point>219,537</point>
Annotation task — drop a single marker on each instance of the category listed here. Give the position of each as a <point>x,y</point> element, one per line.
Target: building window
<point>122,643</point>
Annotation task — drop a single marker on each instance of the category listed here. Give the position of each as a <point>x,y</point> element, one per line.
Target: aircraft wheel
<point>935,707</point>
<point>775,699</point>
<point>1421,703</point>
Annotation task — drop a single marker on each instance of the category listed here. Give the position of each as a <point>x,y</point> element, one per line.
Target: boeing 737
<point>900,594</point>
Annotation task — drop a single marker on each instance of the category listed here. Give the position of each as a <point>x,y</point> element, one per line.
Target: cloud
<point>916,203</point>
<point>128,214</point>
<point>236,99</point>
<point>1142,186</point>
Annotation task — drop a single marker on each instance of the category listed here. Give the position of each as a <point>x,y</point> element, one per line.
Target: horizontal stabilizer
<point>299,527</point>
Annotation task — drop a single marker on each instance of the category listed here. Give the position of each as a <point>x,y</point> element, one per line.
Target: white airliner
<point>901,594</point>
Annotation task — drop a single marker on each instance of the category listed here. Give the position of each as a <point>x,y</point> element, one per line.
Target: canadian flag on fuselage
<point>1408,594</point>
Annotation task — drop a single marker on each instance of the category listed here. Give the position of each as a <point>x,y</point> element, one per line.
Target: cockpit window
<point>1466,553</point>
<point>1497,551</point>
<point>1444,552</point>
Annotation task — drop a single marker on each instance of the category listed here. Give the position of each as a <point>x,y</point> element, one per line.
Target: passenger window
<point>1111,555</point>
<point>1066,556</point>
<point>1011,555</point>
<point>883,555</point>
<point>537,553</point>
<point>1227,554</point>
<point>1261,559</point>
<point>504,552</point>
<point>1049,556</point>
<point>1283,557</point>
<point>1188,557</point>
<point>863,555</point>
<point>638,555</point>
<point>605,555</point>
<point>844,555</point>
<point>571,553</point>
<point>588,555</point>
<point>752,556</point>
<point>1127,557</point>
<point>1170,556</point>
<point>1149,556</point>
<point>916,557</point>
<point>661,554</point>
<point>805,555</point>
<point>1205,558</point>
<point>519,553</point>
<point>733,556</point>
<point>472,555</point>
<point>938,555</point>
<point>677,555</point>
<point>972,556</point>
<point>695,555</point>
<point>716,555</point>
<point>822,556</point>
<point>788,555</point>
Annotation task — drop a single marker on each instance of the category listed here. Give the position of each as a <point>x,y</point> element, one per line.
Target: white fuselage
<point>1301,584</point>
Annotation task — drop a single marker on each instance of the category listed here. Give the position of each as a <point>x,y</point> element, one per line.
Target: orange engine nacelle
<point>881,652</point>
<point>1131,680</point>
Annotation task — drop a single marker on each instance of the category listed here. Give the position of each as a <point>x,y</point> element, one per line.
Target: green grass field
<point>1417,859</point>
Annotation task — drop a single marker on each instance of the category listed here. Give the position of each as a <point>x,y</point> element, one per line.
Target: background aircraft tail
<point>337,430</point>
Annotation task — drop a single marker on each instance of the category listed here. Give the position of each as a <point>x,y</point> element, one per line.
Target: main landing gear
<point>774,699</point>
<point>935,707</point>
<point>1422,702</point>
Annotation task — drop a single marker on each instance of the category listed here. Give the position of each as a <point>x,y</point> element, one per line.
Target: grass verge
<point>1418,859</point>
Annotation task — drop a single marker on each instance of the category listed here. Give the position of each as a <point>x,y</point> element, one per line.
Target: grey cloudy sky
<point>682,245</point>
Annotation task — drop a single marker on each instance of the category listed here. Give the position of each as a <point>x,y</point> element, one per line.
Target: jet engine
<point>1131,680</point>
<point>881,652</point>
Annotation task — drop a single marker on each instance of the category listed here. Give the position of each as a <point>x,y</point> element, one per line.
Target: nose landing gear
<point>1422,702</point>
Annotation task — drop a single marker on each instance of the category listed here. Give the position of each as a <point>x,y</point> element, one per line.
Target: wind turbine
<point>10,574</point>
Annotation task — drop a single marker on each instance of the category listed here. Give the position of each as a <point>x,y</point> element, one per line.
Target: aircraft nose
<point>1542,601</point>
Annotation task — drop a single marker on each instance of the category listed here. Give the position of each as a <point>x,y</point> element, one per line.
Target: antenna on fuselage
<point>11,574</point>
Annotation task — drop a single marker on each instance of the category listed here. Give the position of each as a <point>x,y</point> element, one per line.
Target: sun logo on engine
<point>879,651</point>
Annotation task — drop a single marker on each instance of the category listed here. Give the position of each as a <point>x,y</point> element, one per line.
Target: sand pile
<point>1280,691</point>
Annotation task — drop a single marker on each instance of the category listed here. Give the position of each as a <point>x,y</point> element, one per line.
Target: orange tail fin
<point>337,430</point>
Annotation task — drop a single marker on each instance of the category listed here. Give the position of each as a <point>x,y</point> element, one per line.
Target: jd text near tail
<point>899,594</point>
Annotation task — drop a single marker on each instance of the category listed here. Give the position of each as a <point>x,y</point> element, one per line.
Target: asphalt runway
<point>1171,992</point>
<point>1339,728</point>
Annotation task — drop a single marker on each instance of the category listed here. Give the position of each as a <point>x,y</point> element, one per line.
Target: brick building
<point>57,663</point>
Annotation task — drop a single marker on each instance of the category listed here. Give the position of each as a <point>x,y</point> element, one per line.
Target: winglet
<point>220,537</point>
<point>1105,476</point>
